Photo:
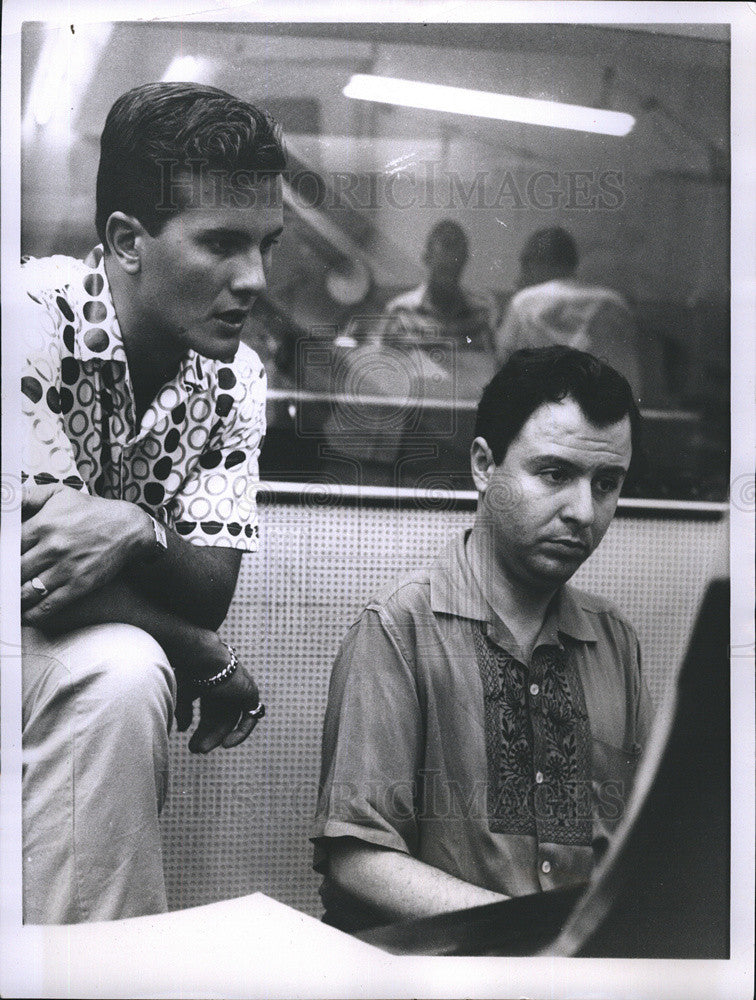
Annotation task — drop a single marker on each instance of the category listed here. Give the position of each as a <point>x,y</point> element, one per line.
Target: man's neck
<point>448,299</point>
<point>546,276</point>
<point>522,608</point>
<point>150,367</point>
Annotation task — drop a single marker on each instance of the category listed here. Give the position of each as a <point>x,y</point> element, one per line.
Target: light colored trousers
<point>97,709</point>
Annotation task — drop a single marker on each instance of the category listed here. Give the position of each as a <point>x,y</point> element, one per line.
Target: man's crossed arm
<point>76,543</point>
<point>87,553</point>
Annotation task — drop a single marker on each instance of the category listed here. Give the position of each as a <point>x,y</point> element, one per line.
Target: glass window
<point>408,210</point>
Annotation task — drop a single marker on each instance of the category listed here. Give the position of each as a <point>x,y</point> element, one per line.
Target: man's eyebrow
<point>552,460</point>
<point>621,470</point>
<point>213,232</point>
<point>545,460</point>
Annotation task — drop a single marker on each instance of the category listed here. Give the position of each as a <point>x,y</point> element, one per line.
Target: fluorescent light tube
<point>192,69</point>
<point>485,104</point>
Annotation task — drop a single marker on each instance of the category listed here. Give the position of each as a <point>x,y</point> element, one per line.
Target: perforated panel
<point>237,821</point>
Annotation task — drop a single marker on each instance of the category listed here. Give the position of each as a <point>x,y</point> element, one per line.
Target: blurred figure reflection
<point>440,308</point>
<point>555,307</point>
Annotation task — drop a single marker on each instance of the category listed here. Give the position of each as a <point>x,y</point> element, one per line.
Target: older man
<point>485,718</point>
<point>144,417</point>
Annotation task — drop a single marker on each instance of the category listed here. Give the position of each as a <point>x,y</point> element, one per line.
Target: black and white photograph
<point>378,499</point>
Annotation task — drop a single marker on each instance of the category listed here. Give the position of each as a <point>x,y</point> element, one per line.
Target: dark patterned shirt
<point>442,741</point>
<point>192,462</point>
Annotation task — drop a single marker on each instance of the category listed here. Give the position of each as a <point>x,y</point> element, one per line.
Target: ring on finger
<point>38,587</point>
<point>258,712</point>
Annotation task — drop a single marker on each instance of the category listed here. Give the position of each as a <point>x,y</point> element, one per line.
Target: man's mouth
<point>568,544</point>
<point>233,318</point>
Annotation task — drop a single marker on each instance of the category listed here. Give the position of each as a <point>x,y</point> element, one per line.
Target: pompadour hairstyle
<point>532,377</point>
<point>155,131</point>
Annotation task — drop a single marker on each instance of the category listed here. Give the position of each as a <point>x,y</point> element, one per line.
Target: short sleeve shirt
<point>441,741</point>
<point>566,311</point>
<point>193,461</point>
<point>412,316</point>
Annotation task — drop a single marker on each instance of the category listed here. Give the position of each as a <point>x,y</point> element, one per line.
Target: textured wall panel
<point>237,820</point>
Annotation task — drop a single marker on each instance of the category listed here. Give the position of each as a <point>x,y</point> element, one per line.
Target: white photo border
<point>25,952</point>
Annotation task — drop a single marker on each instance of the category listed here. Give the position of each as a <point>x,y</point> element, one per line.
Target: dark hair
<point>531,378</point>
<point>451,234</point>
<point>552,246</point>
<point>155,131</point>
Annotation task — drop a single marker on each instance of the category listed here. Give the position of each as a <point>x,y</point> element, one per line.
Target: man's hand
<point>224,710</point>
<point>72,544</point>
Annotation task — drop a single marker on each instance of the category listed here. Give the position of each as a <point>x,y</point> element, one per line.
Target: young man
<point>441,308</point>
<point>144,417</point>
<point>554,307</point>
<point>484,718</point>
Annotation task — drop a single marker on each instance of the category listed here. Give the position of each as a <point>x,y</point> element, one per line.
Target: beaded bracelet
<point>205,683</point>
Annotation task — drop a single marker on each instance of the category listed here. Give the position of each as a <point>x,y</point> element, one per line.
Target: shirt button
<point>539,777</point>
<point>546,867</point>
<point>534,689</point>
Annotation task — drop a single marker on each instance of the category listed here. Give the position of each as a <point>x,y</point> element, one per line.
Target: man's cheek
<point>506,497</point>
<point>601,525</point>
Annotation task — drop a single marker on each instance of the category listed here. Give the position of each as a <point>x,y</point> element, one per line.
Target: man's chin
<point>555,572</point>
<point>225,353</point>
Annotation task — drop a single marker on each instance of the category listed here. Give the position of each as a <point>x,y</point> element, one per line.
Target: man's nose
<point>579,507</point>
<point>248,276</point>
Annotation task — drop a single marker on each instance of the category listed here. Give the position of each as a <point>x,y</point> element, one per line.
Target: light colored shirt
<point>443,742</point>
<point>193,461</point>
<point>566,311</point>
<point>413,316</point>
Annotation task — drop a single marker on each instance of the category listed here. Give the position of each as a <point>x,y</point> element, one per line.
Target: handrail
<point>319,492</point>
<point>306,396</point>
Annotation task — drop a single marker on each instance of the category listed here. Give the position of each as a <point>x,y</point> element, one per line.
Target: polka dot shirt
<point>193,462</point>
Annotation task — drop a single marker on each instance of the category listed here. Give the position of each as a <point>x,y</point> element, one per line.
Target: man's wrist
<point>229,668</point>
<point>196,652</point>
<point>213,656</point>
<point>149,538</point>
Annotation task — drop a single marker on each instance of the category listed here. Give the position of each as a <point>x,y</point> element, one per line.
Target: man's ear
<point>124,235</point>
<point>482,463</point>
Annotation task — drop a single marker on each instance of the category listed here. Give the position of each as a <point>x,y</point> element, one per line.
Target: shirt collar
<point>194,372</point>
<point>425,303</point>
<point>100,338</point>
<point>455,590</point>
<point>570,618</point>
<point>423,298</point>
<point>97,335</point>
